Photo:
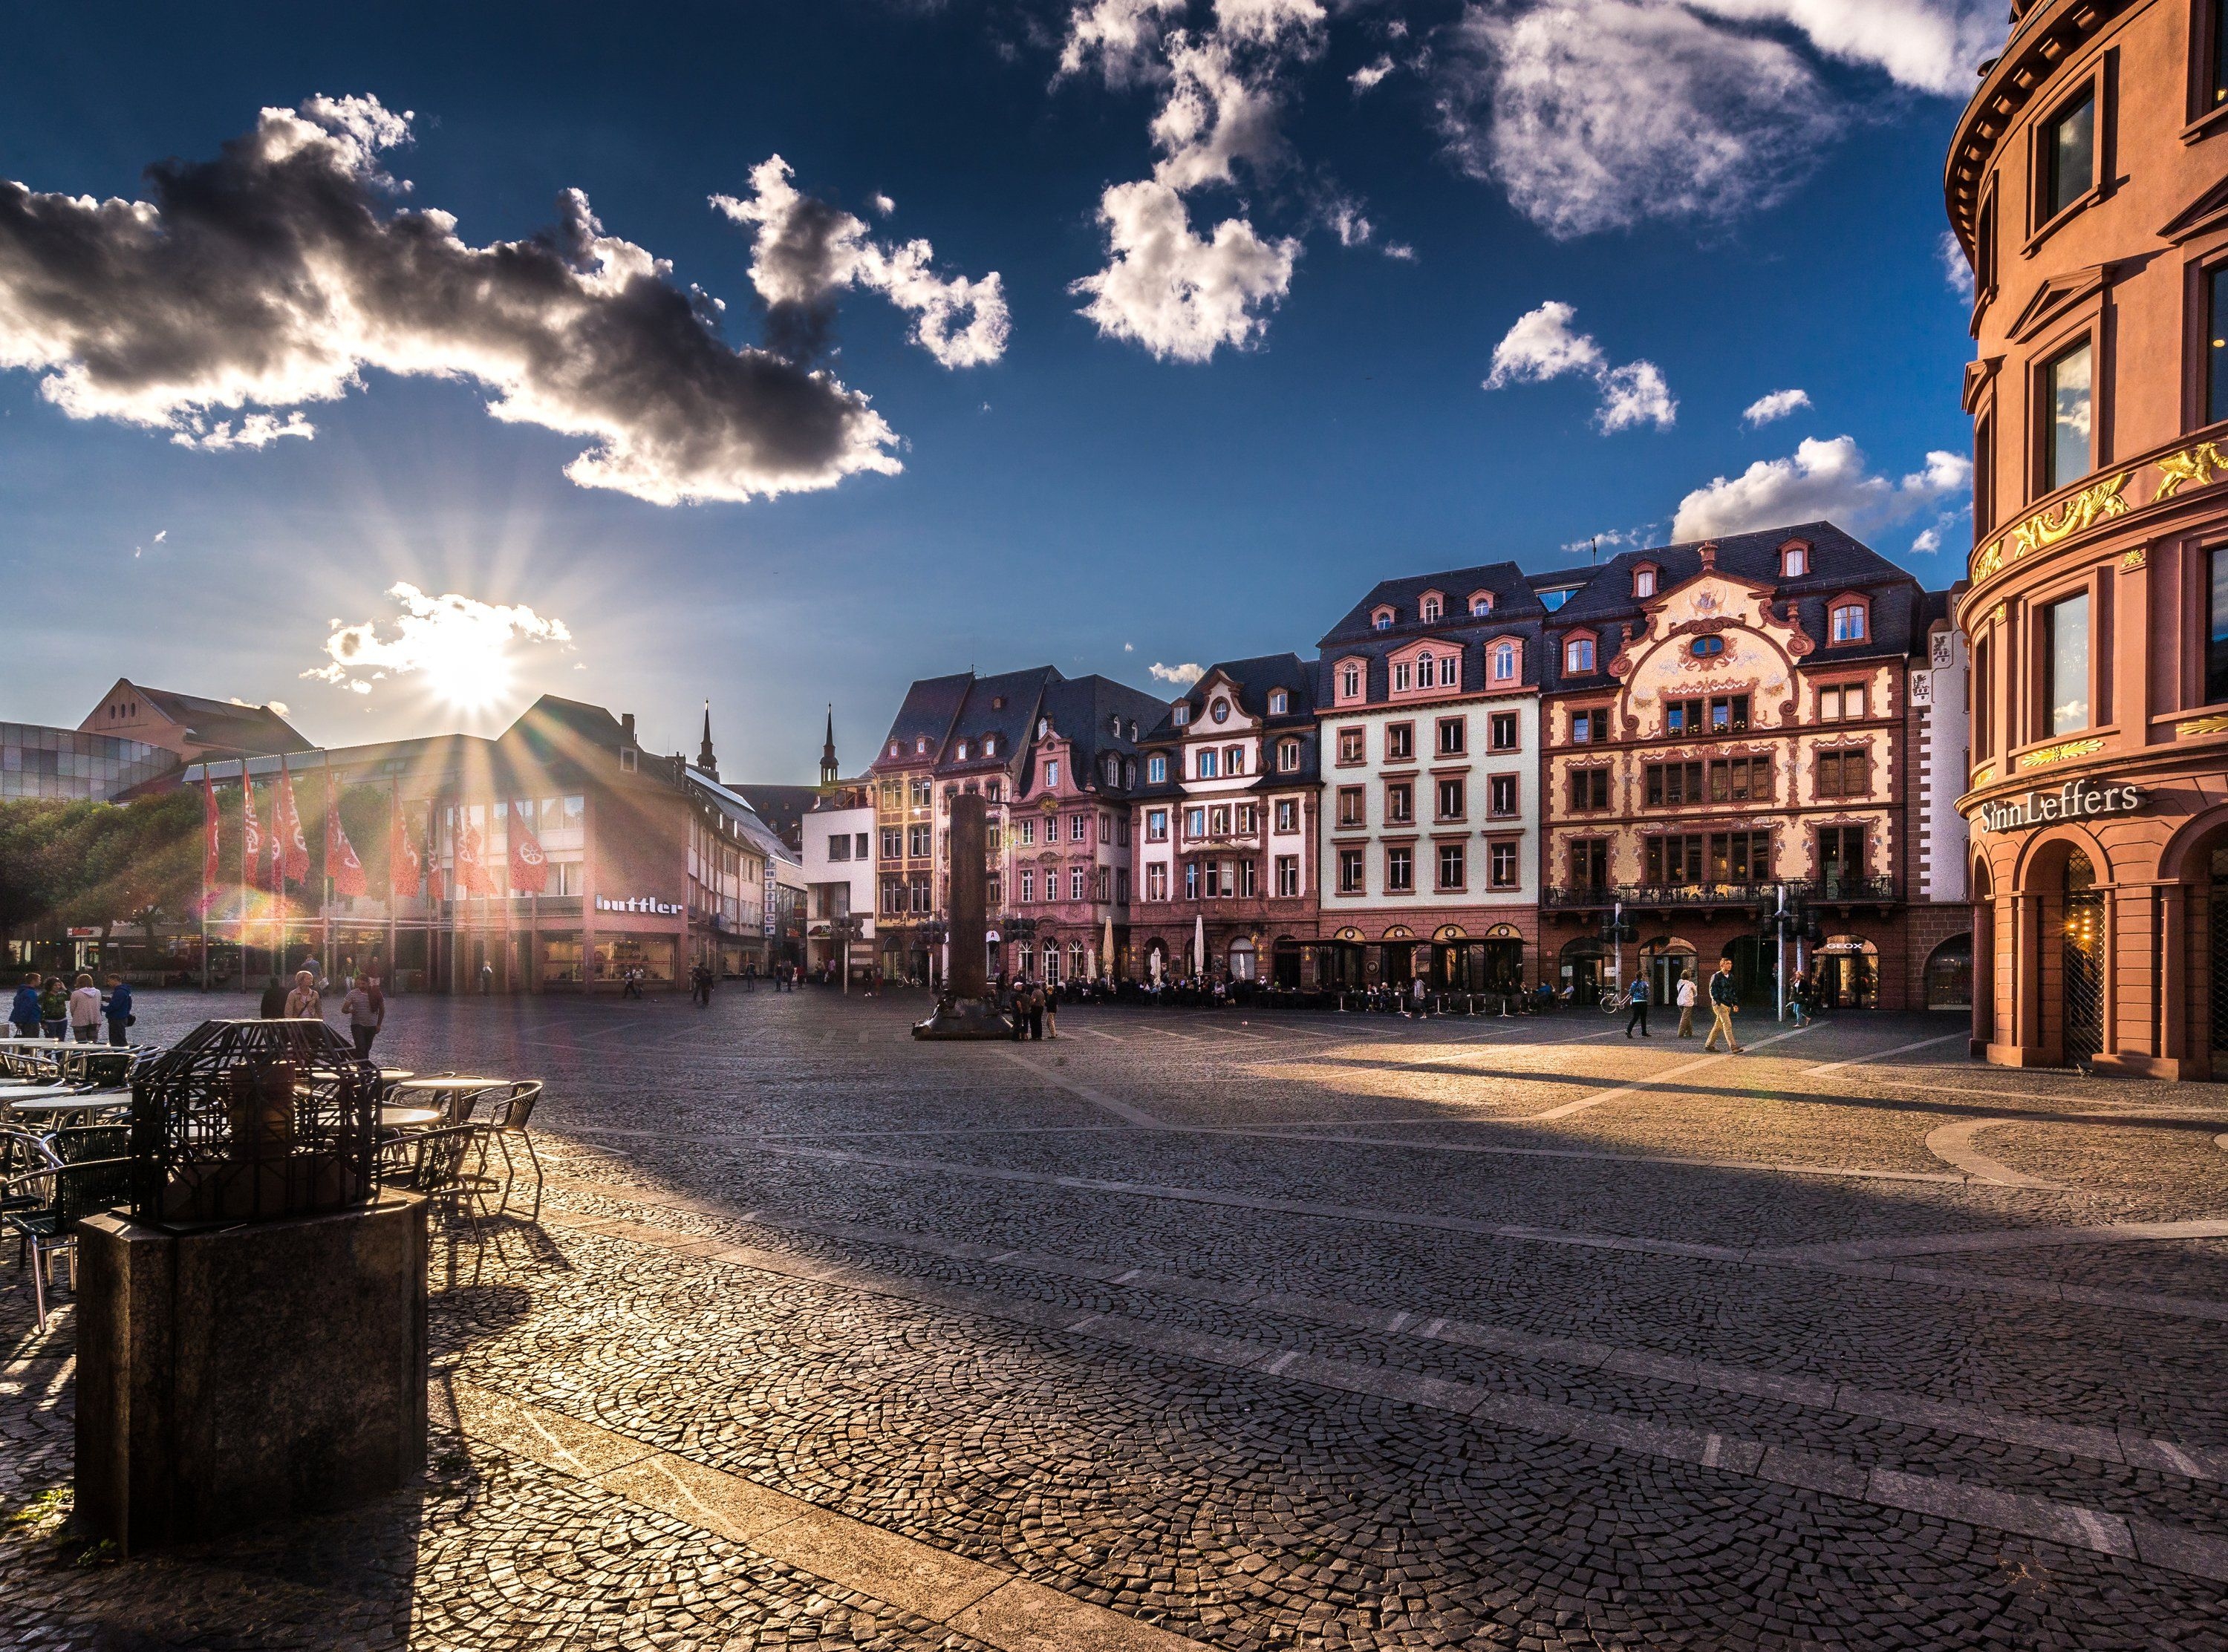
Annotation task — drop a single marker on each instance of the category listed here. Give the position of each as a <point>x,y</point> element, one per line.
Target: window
<point>1847,622</point>
<point>1841,855</point>
<point>1481,604</point>
<point>2216,637</point>
<point>1051,774</point>
<point>1504,662</point>
<point>2067,167</point>
<point>1349,746</point>
<point>1590,864</point>
<point>1501,865</point>
<point>1157,881</point>
<point>917,844</point>
<point>1382,619</point>
<point>1452,804</point>
<point>1674,859</point>
<point>1794,560</point>
<point>1590,728</point>
<point>1156,826</point>
<point>1122,885</point>
<point>1983,695</point>
<point>1589,790</point>
<point>1674,786</point>
<point>1845,773</point>
<point>893,842</point>
<point>1191,880</point>
<point>1288,877</point>
<point>1288,756</point>
<point>1279,702</point>
<point>1194,823</point>
<point>1220,709</point>
<point>1180,713</point>
<point>1352,808</point>
<point>2216,330</point>
<point>1740,780</point>
<point>1984,475</point>
<point>2066,664</point>
<point>1643,582</point>
<point>1075,883</point>
<point>1113,770</point>
<point>1453,869</point>
<point>1350,875</point>
<point>1400,870</point>
<point>1400,675</point>
<point>1430,608</point>
<point>1249,873</point>
<point>1029,830</point>
<point>1157,769</point>
<point>1706,648</point>
<point>923,793</point>
<point>2068,427</point>
<point>1500,732</point>
<point>1288,816</point>
<point>1578,656</point>
<point>1399,802</point>
<point>1208,762</point>
<point>1249,820</point>
<point>1740,857</point>
<point>1079,828</point>
<point>1682,716</point>
<point>1399,742</point>
<point>2215,79</point>
<point>1218,820</point>
<point>839,846</point>
<point>1454,737</point>
<point>1029,886</point>
<point>1500,794</point>
<point>1234,759</point>
<point>1349,682</point>
<point>1729,711</point>
<point>1842,703</point>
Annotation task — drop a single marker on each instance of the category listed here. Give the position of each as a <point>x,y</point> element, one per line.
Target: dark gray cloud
<point>243,288</point>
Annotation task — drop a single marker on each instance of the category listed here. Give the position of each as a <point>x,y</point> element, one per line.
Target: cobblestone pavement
<point>1258,1331</point>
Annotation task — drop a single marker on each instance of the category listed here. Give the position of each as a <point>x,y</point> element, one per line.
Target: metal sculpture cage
<point>250,1121</point>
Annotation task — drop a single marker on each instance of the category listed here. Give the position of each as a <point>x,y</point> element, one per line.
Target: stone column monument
<point>965,1010</point>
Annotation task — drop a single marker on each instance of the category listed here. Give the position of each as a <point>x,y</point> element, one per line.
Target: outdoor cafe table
<point>408,1118</point>
<point>54,1109</point>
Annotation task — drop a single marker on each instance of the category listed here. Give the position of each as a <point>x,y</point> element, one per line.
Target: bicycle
<point>1616,1002</point>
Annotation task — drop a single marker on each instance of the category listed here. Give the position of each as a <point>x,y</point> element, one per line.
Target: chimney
<point>626,727</point>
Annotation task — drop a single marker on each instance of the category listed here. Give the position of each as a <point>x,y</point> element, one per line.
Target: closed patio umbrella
<point>1199,946</point>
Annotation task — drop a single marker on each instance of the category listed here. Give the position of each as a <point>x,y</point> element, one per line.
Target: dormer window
<point>893,748</point>
<point>1504,662</point>
<point>1157,769</point>
<point>1578,656</point>
<point>920,747</point>
<point>1848,620</point>
<point>1044,727</point>
<point>990,745</point>
<point>1480,604</point>
<point>1288,755</point>
<point>1349,682</point>
<point>1180,713</point>
<point>1423,669</point>
<point>1279,702</point>
<point>1431,607</point>
<point>1113,768</point>
<point>1382,619</point>
<point>962,752</point>
<point>1644,580</point>
<point>1793,559</point>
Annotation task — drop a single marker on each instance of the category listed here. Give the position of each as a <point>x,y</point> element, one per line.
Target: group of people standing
<point>49,1007</point>
<point>364,1003</point>
<point>1034,1009</point>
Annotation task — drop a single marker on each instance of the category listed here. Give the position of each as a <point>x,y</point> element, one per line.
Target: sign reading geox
<point>2077,800</point>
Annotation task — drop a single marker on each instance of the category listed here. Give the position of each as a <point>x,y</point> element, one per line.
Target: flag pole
<point>325,902</point>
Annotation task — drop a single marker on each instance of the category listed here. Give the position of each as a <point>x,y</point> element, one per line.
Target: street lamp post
<point>846,930</point>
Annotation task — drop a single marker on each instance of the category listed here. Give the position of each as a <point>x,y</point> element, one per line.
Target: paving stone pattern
<point>1255,1332</point>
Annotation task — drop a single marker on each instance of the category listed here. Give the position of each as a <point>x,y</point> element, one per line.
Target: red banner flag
<point>212,873</point>
<point>437,882</point>
<point>405,869</point>
<point>529,867</point>
<point>341,863</point>
<point>471,859</point>
<point>291,852</point>
<point>250,858</point>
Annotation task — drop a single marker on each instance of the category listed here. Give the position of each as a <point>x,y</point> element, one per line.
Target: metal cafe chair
<point>431,1163</point>
<point>64,1194</point>
<point>22,1153</point>
<point>512,1108</point>
<point>77,1144</point>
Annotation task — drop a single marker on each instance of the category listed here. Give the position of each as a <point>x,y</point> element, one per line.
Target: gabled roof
<point>256,730</point>
<point>1005,706</point>
<point>1513,598</point>
<point>782,808</point>
<point>926,712</point>
<point>1253,680</point>
<point>734,806</point>
<point>1083,711</point>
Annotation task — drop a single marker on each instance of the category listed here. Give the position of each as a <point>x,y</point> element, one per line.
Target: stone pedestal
<point>966,1010</point>
<point>238,1375</point>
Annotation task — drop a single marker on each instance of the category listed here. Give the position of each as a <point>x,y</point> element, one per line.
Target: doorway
<point>2083,986</point>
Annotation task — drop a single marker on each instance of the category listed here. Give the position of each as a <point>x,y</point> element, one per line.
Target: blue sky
<point>1755,209</point>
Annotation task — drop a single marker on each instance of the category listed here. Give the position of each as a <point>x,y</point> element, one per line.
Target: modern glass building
<point>71,767</point>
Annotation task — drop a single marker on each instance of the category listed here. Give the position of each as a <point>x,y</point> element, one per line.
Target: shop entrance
<point>2218,995</point>
<point>2084,961</point>
<point>1584,963</point>
<point>1502,967</point>
<point>1848,972</point>
<point>1949,975</point>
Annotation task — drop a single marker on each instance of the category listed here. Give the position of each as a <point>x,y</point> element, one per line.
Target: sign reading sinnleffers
<point>2078,800</point>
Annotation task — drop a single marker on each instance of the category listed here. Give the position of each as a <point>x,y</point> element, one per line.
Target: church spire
<point>707,763</point>
<point>829,772</point>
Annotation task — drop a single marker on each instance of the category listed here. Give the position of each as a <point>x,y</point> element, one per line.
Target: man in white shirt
<point>1687,994</point>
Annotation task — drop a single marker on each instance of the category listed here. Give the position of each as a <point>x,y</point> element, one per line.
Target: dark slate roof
<point>1838,564</point>
<point>1005,706</point>
<point>926,712</point>
<point>1085,710</point>
<point>256,730</point>
<point>552,721</point>
<point>1254,677</point>
<point>782,808</point>
<point>1513,598</point>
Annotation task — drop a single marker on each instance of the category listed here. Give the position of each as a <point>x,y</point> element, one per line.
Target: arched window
<point>1504,662</point>
<point>1349,682</point>
<point>1423,671</point>
<point>1703,648</point>
<point>1793,559</point>
<point>1279,702</point>
<point>1113,768</point>
<point>1129,772</point>
<point>1430,610</point>
<point>1850,622</point>
<point>1644,580</point>
<point>1578,655</point>
<point>1382,619</point>
<point>1480,604</point>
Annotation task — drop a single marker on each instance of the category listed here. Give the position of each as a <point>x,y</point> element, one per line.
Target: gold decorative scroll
<point>2063,751</point>
<point>2134,560</point>
<point>1983,774</point>
<point>2198,725</point>
<point>2202,465</point>
<point>2098,502</point>
<point>1996,614</point>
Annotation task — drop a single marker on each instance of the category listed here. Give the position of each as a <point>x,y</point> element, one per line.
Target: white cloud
<point>162,534</point>
<point>460,644</point>
<point>1928,45</point>
<point>1181,297</point>
<point>1347,223</point>
<point>1401,251</point>
<point>883,205</point>
<point>1370,76</point>
<point>1821,479</point>
<point>1121,37</point>
<point>1778,405</point>
<point>275,275</point>
<point>1128,647</point>
<point>1542,345</point>
<point>804,250</point>
<point>1928,542</point>
<point>1954,269</point>
<point>1182,676</point>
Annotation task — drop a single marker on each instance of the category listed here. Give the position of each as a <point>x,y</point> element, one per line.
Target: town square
<point>1128,825</point>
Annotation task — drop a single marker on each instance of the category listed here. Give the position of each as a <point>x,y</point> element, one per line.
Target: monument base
<point>964,1019</point>
<point>238,1375</point>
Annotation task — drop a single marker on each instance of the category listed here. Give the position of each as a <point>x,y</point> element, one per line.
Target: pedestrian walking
<point>85,1010</point>
<point>1638,1000</point>
<point>303,1004</point>
<point>1052,1010</point>
<point>1798,998</point>
<point>119,1010</point>
<point>1724,1004</point>
<point>54,1009</point>
<point>487,977</point>
<point>274,998</point>
<point>23,1015</point>
<point>1687,994</point>
<point>1036,1010</point>
<point>365,1006</point>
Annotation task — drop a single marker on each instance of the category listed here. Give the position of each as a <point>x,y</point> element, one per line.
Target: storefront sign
<point>773,888</point>
<point>638,903</point>
<point>2074,800</point>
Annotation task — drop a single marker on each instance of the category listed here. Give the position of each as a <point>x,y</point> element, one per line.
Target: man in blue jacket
<point>1639,1002</point>
<point>119,1010</point>
<point>1723,1001</point>
<point>24,1014</point>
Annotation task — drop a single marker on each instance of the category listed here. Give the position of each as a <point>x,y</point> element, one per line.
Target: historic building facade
<point>1429,713</point>
<point>2088,184</point>
<point>1225,830</point>
<point>1729,731</point>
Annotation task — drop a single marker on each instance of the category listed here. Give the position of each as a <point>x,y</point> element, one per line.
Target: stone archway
<point>2193,868</point>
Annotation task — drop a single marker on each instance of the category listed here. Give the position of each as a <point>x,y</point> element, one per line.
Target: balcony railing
<point>1826,891</point>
